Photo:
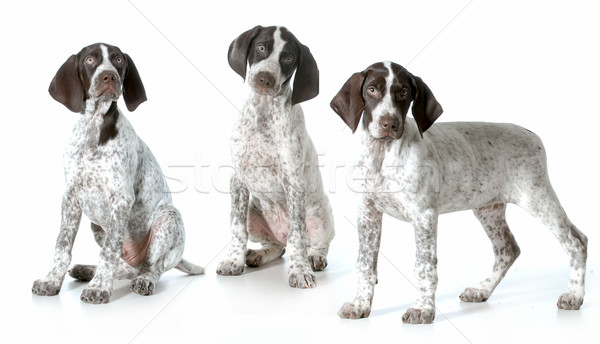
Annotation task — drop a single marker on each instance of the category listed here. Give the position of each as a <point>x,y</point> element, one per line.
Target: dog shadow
<point>464,309</point>
<point>325,277</point>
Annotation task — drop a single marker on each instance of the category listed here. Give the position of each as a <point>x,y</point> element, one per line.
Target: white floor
<point>259,305</point>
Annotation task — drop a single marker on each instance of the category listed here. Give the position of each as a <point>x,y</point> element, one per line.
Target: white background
<point>534,63</point>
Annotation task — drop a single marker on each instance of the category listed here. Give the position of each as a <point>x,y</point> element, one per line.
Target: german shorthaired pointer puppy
<point>112,178</point>
<point>277,195</point>
<point>414,172</point>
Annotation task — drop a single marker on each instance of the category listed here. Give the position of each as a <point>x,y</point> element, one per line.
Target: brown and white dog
<point>277,196</point>
<point>112,178</point>
<point>415,170</point>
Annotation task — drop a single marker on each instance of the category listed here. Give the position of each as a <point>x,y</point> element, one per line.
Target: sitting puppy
<point>112,178</point>
<point>415,171</point>
<point>277,196</point>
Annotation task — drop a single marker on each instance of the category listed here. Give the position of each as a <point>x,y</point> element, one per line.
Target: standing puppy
<point>112,178</point>
<point>277,195</point>
<point>414,171</point>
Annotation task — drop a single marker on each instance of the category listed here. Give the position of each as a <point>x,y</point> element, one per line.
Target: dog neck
<point>375,150</point>
<point>97,106</point>
<point>100,120</point>
<point>266,107</point>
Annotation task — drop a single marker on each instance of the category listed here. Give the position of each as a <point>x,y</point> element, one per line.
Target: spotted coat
<point>277,195</point>
<point>112,178</point>
<point>415,170</point>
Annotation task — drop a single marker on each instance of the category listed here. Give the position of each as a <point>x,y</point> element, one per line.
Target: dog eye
<point>289,59</point>
<point>261,48</point>
<point>89,60</point>
<point>402,94</point>
<point>119,59</point>
<point>371,90</point>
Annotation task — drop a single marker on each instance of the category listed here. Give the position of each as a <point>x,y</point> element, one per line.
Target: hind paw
<point>142,285</point>
<point>83,273</point>
<point>317,263</point>
<point>569,301</point>
<point>474,295</point>
<point>254,258</point>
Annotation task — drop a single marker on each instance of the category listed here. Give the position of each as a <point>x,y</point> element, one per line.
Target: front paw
<point>230,268</point>
<point>302,280</point>
<point>355,310</point>
<point>416,315</point>
<point>569,301</point>
<point>44,287</point>
<point>95,295</point>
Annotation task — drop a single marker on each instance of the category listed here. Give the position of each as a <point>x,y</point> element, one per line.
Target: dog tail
<point>189,268</point>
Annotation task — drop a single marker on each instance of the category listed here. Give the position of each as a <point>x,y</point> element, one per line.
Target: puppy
<point>277,196</point>
<point>415,170</point>
<point>112,178</point>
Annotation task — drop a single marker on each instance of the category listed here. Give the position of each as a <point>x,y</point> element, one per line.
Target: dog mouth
<point>108,92</point>
<point>264,90</point>
<point>388,135</point>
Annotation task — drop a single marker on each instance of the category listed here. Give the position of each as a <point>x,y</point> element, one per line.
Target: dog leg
<point>260,232</point>
<point>85,273</point>
<point>71,216</point>
<point>240,198</point>
<point>506,250</point>
<point>165,250</point>
<point>369,235</point>
<point>300,273</point>
<point>256,258</point>
<point>425,226</point>
<point>544,205</point>
<point>319,223</point>
<point>99,289</point>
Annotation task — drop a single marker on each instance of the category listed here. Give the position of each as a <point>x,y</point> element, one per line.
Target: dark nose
<point>389,123</point>
<point>107,77</point>
<point>265,79</point>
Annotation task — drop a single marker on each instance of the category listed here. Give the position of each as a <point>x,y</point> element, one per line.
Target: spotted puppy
<point>112,178</point>
<point>277,196</point>
<point>414,172</point>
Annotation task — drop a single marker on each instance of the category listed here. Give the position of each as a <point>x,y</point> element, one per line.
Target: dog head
<point>384,92</point>
<point>273,54</point>
<point>100,72</point>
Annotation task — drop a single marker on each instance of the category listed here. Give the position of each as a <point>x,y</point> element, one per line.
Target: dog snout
<point>389,124</point>
<point>265,80</point>
<point>108,77</point>
<point>107,84</point>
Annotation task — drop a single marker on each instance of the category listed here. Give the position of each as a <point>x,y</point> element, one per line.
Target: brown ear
<point>306,81</point>
<point>348,103</point>
<point>66,87</point>
<point>237,56</point>
<point>425,107</point>
<point>133,90</point>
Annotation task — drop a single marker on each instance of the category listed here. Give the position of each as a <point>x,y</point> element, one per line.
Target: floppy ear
<point>306,81</point>
<point>348,103</point>
<point>425,107</point>
<point>66,87</point>
<point>133,90</point>
<point>237,56</point>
